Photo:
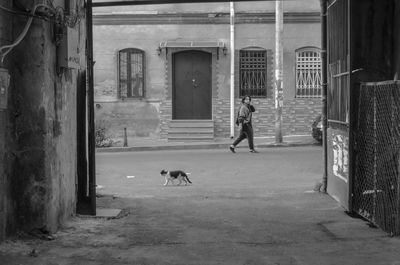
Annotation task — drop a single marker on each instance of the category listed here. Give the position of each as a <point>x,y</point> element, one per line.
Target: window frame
<point>127,95</point>
<point>309,91</point>
<point>263,71</point>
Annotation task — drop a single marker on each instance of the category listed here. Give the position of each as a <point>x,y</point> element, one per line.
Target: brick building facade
<point>159,33</point>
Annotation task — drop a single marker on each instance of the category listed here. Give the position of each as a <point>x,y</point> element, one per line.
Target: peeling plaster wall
<point>42,115</point>
<point>140,118</point>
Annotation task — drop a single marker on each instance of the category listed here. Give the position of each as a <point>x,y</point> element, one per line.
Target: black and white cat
<point>175,174</point>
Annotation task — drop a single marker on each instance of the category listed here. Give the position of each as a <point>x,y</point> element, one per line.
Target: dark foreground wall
<point>40,144</point>
<point>396,35</point>
<point>375,40</point>
<point>5,38</point>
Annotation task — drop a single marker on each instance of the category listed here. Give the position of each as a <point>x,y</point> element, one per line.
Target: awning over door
<point>219,45</point>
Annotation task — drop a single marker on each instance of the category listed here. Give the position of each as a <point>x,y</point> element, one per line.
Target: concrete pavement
<point>143,144</point>
<point>242,209</point>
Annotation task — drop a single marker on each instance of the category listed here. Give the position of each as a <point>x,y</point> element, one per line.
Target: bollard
<point>125,138</point>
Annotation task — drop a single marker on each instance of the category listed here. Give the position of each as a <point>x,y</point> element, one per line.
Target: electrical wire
<point>22,35</point>
<point>12,11</point>
<point>58,16</point>
<point>21,13</point>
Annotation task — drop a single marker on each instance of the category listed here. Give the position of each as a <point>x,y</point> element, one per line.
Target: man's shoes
<point>253,151</point>
<point>232,148</point>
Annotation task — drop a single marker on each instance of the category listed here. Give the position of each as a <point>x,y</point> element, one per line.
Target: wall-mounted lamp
<point>224,50</point>
<point>159,50</point>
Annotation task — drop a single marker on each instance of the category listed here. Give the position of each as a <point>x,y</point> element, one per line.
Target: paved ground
<point>143,144</point>
<point>241,209</point>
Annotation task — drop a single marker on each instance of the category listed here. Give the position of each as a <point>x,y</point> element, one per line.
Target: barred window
<point>131,73</point>
<point>253,72</point>
<point>308,73</point>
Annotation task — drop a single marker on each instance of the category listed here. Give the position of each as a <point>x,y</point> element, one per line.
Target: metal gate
<point>338,98</point>
<point>377,143</point>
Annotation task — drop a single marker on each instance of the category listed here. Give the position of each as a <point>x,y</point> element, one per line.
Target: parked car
<point>316,129</point>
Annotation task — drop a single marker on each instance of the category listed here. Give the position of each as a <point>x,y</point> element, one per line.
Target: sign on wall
<point>340,149</point>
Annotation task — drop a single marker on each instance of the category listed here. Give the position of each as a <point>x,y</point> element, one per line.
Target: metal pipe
<point>125,138</point>
<point>232,94</point>
<point>352,118</point>
<point>278,70</point>
<point>90,102</point>
<point>324,115</point>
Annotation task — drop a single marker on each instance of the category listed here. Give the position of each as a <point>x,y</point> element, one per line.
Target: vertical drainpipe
<point>324,57</point>
<point>352,119</point>
<point>278,70</point>
<point>232,94</point>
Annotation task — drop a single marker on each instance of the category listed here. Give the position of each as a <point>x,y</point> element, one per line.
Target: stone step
<point>191,124</point>
<point>190,137</point>
<point>195,121</point>
<point>191,130</point>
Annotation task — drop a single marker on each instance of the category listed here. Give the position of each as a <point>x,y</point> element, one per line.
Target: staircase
<point>191,130</point>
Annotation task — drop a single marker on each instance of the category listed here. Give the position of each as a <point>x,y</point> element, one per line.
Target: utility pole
<point>232,46</point>
<point>278,70</point>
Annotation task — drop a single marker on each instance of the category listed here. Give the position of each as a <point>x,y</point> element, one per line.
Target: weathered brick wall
<point>297,115</point>
<point>261,6</point>
<point>115,33</point>
<point>165,117</point>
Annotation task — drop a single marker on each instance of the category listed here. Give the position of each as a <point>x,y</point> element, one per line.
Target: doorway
<point>191,91</point>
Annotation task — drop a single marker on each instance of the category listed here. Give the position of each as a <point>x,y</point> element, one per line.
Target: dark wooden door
<point>191,85</point>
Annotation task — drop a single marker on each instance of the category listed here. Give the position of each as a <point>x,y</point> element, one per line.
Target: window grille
<point>253,73</point>
<point>308,73</point>
<point>131,74</point>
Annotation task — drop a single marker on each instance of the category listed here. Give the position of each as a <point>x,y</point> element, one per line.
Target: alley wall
<point>5,39</point>
<point>40,170</point>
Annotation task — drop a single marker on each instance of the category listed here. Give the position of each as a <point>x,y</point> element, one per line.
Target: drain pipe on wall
<point>232,96</point>
<point>324,59</point>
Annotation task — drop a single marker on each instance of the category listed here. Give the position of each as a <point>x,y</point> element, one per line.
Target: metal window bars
<point>253,73</point>
<point>131,75</point>
<point>308,74</point>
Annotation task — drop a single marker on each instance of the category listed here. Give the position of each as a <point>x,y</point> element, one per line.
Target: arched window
<point>131,73</point>
<point>308,73</point>
<point>253,72</point>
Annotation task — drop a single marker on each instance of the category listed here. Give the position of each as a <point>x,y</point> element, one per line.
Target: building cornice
<point>202,18</point>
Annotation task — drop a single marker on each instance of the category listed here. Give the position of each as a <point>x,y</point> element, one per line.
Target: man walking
<point>244,121</point>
